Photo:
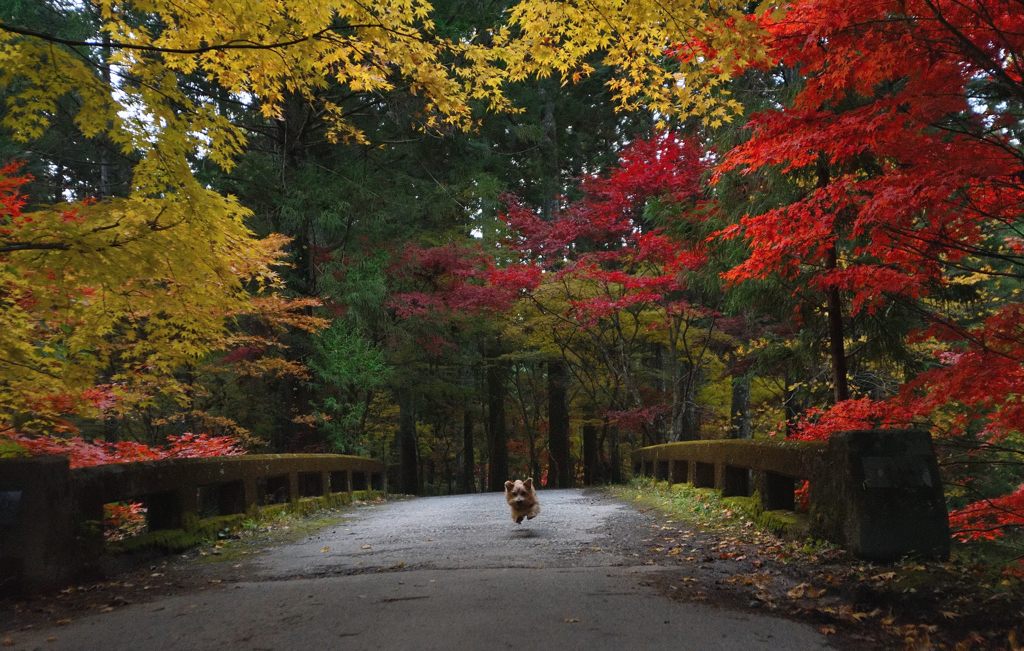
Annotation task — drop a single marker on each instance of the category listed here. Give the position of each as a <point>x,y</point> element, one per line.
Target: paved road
<point>442,573</point>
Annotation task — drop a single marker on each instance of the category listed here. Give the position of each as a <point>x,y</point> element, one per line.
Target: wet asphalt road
<point>442,573</point>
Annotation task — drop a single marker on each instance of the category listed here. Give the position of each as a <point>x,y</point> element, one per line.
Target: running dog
<point>523,499</point>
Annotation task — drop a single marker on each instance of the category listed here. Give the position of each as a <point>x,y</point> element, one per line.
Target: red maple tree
<point>83,453</point>
<point>615,265</point>
<point>907,136</point>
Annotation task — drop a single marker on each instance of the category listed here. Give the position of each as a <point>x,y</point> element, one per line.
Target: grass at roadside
<point>279,528</point>
<point>732,517</point>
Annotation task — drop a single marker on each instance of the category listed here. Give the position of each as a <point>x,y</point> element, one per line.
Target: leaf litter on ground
<point>960,604</point>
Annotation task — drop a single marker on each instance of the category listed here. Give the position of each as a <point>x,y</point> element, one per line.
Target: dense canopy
<point>477,239</point>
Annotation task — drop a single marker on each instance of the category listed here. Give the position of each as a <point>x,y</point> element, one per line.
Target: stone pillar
<point>42,545</point>
<point>720,478</point>
<point>879,495</point>
<point>251,492</point>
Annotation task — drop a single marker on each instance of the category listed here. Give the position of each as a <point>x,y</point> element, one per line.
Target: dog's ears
<point>528,483</point>
<point>508,486</point>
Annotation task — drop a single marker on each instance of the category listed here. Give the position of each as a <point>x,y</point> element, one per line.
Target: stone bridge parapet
<point>876,492</point>
<point>51,515</point>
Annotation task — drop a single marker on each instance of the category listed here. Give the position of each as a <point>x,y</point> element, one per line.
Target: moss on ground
<point>706,508</point>
<point>197,531</point>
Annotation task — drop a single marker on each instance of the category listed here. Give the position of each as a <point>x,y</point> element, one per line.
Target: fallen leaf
<point>949,615</point>
<point>365,547</point>
<point>827,630</point>
<point>674,552</point>
<point>798,591</point>
<point>325,550</point>
<point>1012,639</point>
<point>428,540</point>
<point>885,576</point>
<point>106,609</point>
<point>571,620</point>
<point>64,622</point>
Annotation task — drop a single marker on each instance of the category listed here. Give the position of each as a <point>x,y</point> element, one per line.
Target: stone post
<point>42,545</point>
<point>879,495</point>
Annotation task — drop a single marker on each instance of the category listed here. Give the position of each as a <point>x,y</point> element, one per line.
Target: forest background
<point>482,239</point>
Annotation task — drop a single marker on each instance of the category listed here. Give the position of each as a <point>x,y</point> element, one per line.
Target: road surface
<point>442,573</point>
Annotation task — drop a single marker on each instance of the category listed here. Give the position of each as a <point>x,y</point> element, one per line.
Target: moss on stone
<point>788,524</point>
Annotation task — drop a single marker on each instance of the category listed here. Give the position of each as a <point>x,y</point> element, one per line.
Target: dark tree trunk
<point>835,333</point>
<point>614,456</point>
<point>686,415</point>
<point>835,307</point>
<point>560,473</point>
<point>468,454</point>
<point>407,463</point>
<point>497,444</point>
<point>740,407</point>
<point>590,454</point>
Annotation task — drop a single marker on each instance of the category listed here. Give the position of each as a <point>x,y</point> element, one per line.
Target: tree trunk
<point>740,407</point>
<point>407,463</point>
<point>497,444</point>
<point>835,333</point>
<point>468,454</point>
<point>614,455</point>
<point>685,416</point>
<point>589,454</point>
<point>559,458</point>
<point>835,306</point>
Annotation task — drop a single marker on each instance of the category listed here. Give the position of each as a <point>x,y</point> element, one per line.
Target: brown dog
<point>523,499</point>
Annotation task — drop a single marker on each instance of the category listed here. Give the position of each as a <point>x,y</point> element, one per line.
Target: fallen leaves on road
<point>571,620</point>
<point>805,589</point>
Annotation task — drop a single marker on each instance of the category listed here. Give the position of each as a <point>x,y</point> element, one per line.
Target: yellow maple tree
<point>153,277</point>
<point>670,57</point>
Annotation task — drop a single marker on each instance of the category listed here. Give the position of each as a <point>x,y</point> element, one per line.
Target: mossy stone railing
<point>735,467</point>
<point>51,517</point>
<point>876,492</point>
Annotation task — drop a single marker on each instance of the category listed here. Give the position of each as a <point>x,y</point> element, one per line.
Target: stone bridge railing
<point>878,493</point>
<point>51,516</point>
<point>736,467</point>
